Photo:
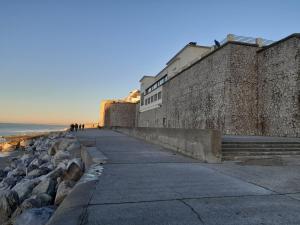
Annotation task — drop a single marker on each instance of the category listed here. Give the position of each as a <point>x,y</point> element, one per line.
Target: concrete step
<point>255,149</point>
<point>243,158</point>
<point>260,145</point>
<point>249,153</point>
<point>238,150</point>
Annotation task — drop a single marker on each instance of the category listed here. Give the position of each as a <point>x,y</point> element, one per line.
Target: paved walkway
<point>144,184</point>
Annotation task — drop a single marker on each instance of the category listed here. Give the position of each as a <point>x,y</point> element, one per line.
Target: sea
<point>15,129</point>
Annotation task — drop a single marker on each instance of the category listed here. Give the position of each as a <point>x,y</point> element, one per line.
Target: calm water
<point>7,129</point>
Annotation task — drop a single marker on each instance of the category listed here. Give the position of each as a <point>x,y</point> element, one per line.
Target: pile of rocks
<point>36,183</point>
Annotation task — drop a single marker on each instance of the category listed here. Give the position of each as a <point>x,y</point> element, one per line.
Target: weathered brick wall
<point>120,114</point>
<point>279,88</point>
<point>216,92</point>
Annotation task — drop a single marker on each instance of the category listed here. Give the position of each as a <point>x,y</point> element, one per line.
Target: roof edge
<point>278,42</point>
<point>211,53</point>
<point>146,77</point>
<point>186,46</point>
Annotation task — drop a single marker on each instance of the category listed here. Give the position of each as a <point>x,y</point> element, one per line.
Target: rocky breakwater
<point>36,182</point>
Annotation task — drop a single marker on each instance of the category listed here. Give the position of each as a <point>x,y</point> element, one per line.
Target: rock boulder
<point>9,201</point>
<point>63,190</point>
<point>46,186</point>
<point>36,216</point>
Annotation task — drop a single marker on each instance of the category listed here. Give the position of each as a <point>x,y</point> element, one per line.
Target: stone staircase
<point>258,150</point>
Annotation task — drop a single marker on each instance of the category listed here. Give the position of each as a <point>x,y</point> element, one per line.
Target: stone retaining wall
<point>239,89</point>
<point>279,88</point>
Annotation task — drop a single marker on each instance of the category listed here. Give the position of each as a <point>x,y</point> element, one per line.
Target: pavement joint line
<point>184,199</point>
<point>143,163</point>
<point>84,213</point>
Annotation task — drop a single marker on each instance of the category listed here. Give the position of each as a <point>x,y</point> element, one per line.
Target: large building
<point>247,86</point>
<point>151,86</point>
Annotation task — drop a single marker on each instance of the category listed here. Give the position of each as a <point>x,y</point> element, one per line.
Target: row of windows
<point>153,98</point>
<point>156,85</point>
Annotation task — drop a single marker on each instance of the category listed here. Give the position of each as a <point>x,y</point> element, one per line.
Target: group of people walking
<point>75,127</point>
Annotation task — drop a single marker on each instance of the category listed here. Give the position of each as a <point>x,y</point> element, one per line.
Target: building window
<point>164,122</point>
<point>157,84</point>
<point>155,97</point>
<point>159,95</point>
<point>152,98</point>
<point>142,99</point>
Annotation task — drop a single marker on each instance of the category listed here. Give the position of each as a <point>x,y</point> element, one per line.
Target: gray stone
<point>45,199</point>
<point>9,201</point>
<point>2,173</point>
<point>8,183</point>
<point>32,167</point>
<point>36,216</point>
<point>36,162</point>
<point>60,145</point>
<point>30,203</point>
<point>60,156</point>
<point>57,172</point>
<point>14,162</point>
<point>26,159</point>
<point>63,190</point>
<point>46,186</point>
<point>52,149</point>
<point>25,187</point>
<point>45,158</point>
<point>38,172</point>
<point>65,143</point>
<point>48,165</point>
<point>75,169</point>
<point>7,169</point>
<point>16,172</point>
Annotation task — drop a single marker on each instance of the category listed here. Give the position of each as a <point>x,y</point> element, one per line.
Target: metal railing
<point>250,40</point>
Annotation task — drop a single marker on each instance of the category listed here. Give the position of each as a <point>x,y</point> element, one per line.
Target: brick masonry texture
<point>237,89</point>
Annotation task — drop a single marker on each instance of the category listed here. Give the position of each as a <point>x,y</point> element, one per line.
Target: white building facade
<point>152,86</point>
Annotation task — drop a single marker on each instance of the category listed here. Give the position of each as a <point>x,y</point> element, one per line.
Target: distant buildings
<point>119,112</point>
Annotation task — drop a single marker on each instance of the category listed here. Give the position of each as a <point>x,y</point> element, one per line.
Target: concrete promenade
<point>144,184</point>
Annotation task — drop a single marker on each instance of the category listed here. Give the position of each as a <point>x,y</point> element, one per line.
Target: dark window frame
<point>157,84</point>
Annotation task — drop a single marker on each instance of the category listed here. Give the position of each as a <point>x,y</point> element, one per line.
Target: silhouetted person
<point>79,126</point>
<point>72,127</point>
<point>217,44</point>
<point>82,126</point>
<point>76,127</point>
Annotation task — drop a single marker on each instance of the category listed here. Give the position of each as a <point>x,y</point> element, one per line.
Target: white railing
<point>250,40</point>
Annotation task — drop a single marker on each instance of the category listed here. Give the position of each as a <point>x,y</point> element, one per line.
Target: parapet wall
<point>204,145</point>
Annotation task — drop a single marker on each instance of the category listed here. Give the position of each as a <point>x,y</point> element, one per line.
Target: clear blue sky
<point>59,58</point>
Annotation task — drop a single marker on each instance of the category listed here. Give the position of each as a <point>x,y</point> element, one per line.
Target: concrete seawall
<point>202,144</point>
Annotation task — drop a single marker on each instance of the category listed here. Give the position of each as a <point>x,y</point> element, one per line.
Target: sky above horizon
<point>59,58</point>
